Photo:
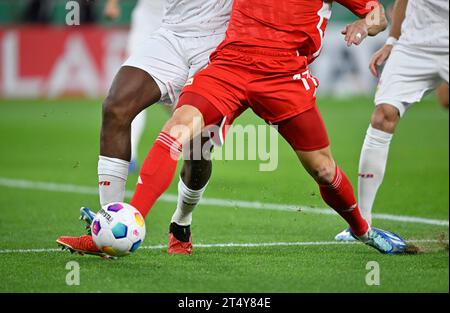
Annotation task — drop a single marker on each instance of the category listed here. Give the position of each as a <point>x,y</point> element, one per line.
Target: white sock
<point>112,179</point>
<point>372,166</point>
<point>187,200</point>
<point>137,129</point>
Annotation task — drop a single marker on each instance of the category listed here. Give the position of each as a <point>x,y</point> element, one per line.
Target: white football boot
<point>345,236</point>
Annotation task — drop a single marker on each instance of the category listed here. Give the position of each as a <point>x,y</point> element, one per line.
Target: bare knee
<point>186,122</point>
<point>119,110</point>
<point>320,165</point>
<point>385,118</point>
<point>324,173</point>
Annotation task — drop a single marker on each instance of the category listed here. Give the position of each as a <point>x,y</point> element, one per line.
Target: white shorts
<point>409,75</point>
<point>172,60</point>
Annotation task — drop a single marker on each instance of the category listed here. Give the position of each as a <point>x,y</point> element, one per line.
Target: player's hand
<point>379,58</point>
<point>356,32</point>
<point>112,9</point>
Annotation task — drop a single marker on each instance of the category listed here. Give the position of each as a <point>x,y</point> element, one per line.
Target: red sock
<point>340,196</point>
<point>157,172</point>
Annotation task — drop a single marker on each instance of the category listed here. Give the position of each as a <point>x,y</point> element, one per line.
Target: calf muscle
<point>132,91</point>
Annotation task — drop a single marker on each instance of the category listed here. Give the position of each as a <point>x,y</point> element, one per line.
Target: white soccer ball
<point>118,229</point>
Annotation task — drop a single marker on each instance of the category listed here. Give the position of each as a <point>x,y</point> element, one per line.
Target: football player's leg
<point>196,170</point>
<point>442,94</point>
<point>335,188</point>
<point>209,90</point>
<point>207,99</point>
<point>143,23</point>
<point>155,71</point>
<point>374,155</point>
<point>132,91</point>
<point>159,167</point>
<point>401,85</point>
<point>307,135</point>
<point>194,178</point>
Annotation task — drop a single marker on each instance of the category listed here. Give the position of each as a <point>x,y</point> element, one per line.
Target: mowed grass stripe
<point>87,190</point>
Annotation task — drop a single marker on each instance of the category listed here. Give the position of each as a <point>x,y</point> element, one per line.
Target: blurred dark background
<point>53,11</point>
<point>41,56</point>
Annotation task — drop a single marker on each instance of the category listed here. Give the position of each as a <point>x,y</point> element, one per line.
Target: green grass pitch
<point>57,141</point>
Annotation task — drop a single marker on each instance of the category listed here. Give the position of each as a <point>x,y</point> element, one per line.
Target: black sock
<point>182,233</point>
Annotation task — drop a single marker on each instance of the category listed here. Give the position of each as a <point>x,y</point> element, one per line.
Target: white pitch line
<point>86,190</point>
<point>8,251</point>
<point>228,245</point>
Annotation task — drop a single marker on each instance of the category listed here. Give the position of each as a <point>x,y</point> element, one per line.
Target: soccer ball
<point>118,229</point>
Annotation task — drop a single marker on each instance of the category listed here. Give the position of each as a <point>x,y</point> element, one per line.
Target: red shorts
<point>276,85</point>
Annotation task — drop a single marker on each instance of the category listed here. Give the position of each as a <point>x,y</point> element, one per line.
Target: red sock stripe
<point>337,179</point>
<point>156,173</point>
<point>170,139</point>
<point>170,142</point>
<point>168,145</point>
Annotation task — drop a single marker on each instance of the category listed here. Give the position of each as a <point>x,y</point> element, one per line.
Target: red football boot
<point>81,245</point>
<point>180,239</point>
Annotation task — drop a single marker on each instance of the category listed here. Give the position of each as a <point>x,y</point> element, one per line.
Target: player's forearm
<point>369,24</point>
<point>398,16</point>
<point>376,21</point>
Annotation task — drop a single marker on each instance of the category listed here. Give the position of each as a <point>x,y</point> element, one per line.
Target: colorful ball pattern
<point>118,229</point>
